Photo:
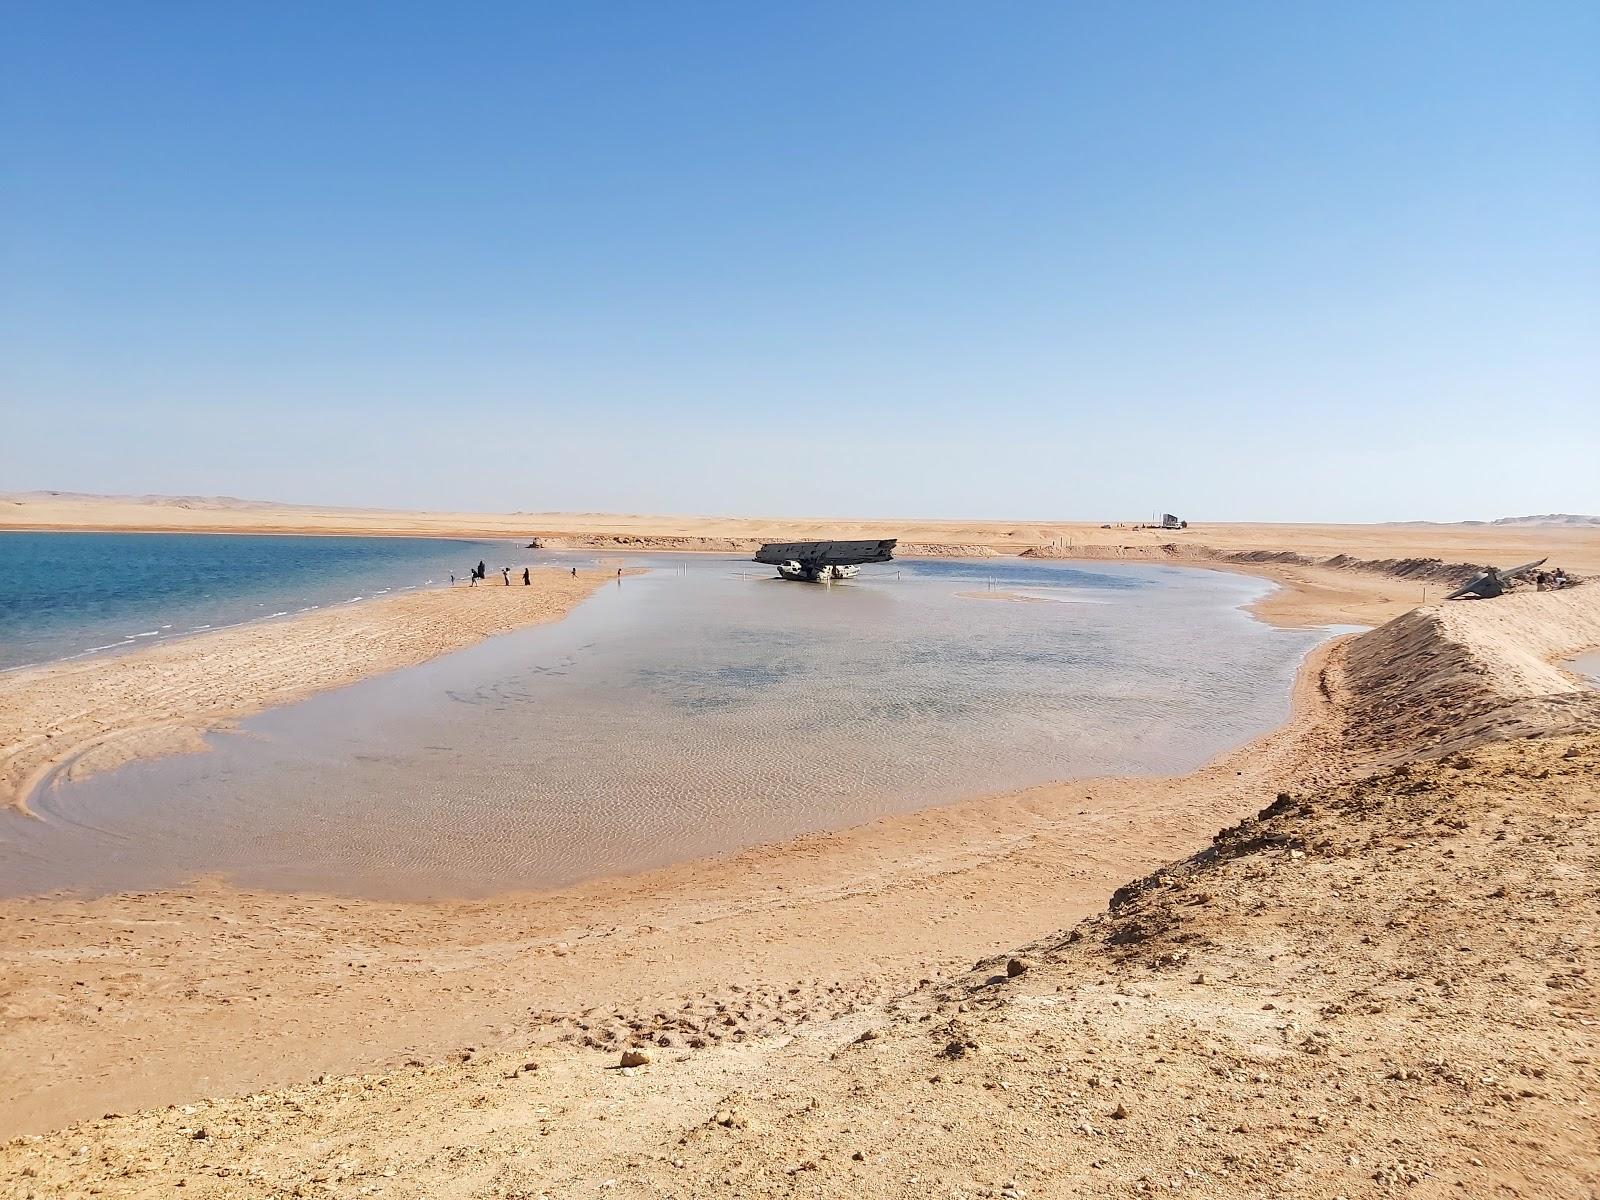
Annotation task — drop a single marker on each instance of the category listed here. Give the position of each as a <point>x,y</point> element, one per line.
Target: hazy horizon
<point>1239,262</point>
<point>777,516</point>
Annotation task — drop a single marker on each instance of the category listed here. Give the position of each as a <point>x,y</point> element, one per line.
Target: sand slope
<point>1458,674</point>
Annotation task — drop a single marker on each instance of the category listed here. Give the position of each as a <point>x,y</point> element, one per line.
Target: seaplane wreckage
<point>1489,582</point>
<point>823,562</point>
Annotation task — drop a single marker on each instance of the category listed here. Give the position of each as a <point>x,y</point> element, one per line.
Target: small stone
<point>1120,1113</point>
<point>636,1058</point>
<point>1017,966</point>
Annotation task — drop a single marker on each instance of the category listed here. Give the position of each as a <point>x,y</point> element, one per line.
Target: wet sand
<point>75,718</point>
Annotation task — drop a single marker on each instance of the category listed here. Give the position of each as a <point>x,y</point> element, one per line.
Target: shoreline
<point>161,699</point>
<point>73,745</point>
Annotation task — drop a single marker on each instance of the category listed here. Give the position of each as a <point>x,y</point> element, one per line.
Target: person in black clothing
<point>525,580</point>
<point>505,574</point>
<point>482,570</point>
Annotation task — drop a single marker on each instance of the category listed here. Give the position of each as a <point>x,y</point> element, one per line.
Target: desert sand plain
<point>1381,979</point>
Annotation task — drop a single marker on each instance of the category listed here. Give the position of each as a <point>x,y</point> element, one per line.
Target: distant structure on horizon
<point>1167,521</point>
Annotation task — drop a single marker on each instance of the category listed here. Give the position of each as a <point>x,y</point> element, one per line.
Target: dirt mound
<point>1162,552</point>
<point>1262,556</point>
<point>1420,569</point>
<point>1431,569</point>
<point>944,550</point>
<point>1457,674</point>
<point>636,541</point>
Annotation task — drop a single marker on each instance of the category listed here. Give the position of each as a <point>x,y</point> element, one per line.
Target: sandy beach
<point>799,1000</point>
<point>79,717</point>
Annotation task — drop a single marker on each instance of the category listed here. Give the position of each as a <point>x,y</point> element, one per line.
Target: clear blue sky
<point>1276,261</point>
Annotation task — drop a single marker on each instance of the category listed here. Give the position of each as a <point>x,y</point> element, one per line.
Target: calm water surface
<point>63,595</point>
<point>1588,665</point>
<point>700,708</point>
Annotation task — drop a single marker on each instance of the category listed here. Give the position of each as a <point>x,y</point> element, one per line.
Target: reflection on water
<point>700,708</point>
<point>1588,666</point>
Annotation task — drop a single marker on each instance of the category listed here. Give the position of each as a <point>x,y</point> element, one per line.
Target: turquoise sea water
<point>69,594</point>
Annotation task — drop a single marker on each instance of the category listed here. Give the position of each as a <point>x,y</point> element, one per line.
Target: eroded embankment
<point>1421,570</point>
<point>1462,673</point>
<point>733,545</point>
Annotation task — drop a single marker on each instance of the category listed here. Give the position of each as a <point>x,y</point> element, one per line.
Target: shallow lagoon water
<point>700,708</point>
<point>1588,666</point>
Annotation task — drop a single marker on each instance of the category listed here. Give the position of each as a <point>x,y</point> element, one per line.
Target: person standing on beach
<point>505,574</point>
<point>482,570</point>
<point>574,572</point>
<point>525,579</point>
